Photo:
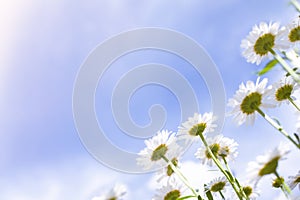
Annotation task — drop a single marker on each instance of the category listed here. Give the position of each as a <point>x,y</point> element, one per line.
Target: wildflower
<point>293,181</point>
<point>217,185</point>
<point>268,163</point>
<point>221,147</point>
<point>163,145</point>
<point>196,125</point>
<point>262,40</point>
<point>248,99</point>
<point>170,191</point>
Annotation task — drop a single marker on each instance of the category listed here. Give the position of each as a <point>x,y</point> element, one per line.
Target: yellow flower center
<point>169,168</point>
<point>247,190</point>
<point>284,92</point>
<point>159,152</point>
<point>251,103</point>
<point>198,129</point>
<point>173,195</point>
<point>264,44</point>
<point>214,149</point>
<point>294,34</point>
<point>270,167</point>
<point>218,186</point>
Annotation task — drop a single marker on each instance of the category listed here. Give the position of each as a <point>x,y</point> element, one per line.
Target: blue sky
<point>43,45</point>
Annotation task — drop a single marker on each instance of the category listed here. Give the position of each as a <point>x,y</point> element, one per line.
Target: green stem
<point>277,126</point>
<point>237,182</point>
<point>181,176</point>
<point>286,66</point>
<point>284,187</point>
<point>222,195</point>
<point>219,165</point>
<point>294,104</point>
<point>296,4</point>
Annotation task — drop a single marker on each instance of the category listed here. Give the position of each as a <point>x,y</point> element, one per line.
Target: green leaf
<point>186,197</point>
<point>268,67</point>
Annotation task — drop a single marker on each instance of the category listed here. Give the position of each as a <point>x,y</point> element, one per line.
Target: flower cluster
<point>218,152</point>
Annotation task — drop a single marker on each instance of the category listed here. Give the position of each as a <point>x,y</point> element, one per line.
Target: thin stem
<point>237,182</point>
<point>294,104</point>
<point>286,66</point>
<point>181,176</point>
<point>222,195</point>
<point>219,165</point>
<point>296,4</point>
<point>277,126</point>
<point>284,187</point>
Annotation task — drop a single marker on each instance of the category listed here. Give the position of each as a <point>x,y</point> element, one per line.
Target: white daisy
<point>217,185</point>
<point>167,173</point>
<point>293,181</point>
<point>248,98</point>
<point>163,145</point>
<point>172,190</point>
<point>268,163</point>
<point>221,147</point>
<point>196,125</point>
<point>262,40</point>
<point>293,34</point>
<point>283,90</point>
<point>116,193</point>
<point>251,191</point>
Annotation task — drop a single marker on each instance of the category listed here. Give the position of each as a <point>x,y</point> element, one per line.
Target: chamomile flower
<point>170,191</point>
<point>167,172</point>
<point>283,90</point>
<point>116,193</point>
<point>221,147</point>
<point>268,163</point>
<point>251,191</point>
<point>217,185</point>
<point>293,34</point>
<point>196,125</point>
<point>163,145</point>
<point>293,181</point>
<point>248,98</point>
<point>262,40</point>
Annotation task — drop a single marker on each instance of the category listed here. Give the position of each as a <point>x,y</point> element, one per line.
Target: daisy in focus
<point>248,99</point>
<point>116,193</point>
<point>268,163</point>
<point>221,147</point>
<point>283,90</point>
<point>172,190</point>
<point>196,125</point>
<point>262,40</point>
<point>158,148</point>
<point>217,186</point>
<point>293,181</point>
<point>293,34</point>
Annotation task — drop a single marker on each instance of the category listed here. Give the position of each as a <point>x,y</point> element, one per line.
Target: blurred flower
<point>251,191</point>
<point>293,34</point>
<point>261,40</point>
<point>294,58</point>
<point>217,185</point>
<point>283,90</point>
<point>116,193</point>
<point>221,147</point>
<point>196,125</point>
<point>161,145</point>
<point>293,181</point>
<point>248,98</point>
<point>268,163</point>
<point>172,190</point>
<point>167,172</point>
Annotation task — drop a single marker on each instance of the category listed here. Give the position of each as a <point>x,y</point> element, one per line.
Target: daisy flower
<point>268,163</point>
<point>262,40</point>
<point>221,147</point>
<point>170,191</point>
<point>163,145</point>
<point>196,125</point>
<point>167,172</point>
<point>116,193</point>
<point>293,34</point>
<point>293,181</point>
<point>217,185</point>
<point>283,90</point>
<point>251,191</point>
<point>248,99</point>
